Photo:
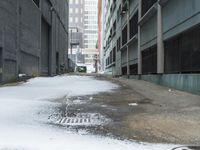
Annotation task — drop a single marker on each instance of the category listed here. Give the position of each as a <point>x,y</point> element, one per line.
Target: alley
<point>80,112</point>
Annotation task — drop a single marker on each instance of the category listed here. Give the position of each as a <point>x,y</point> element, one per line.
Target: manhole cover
<point>84,119</point>
<point>187,148</point>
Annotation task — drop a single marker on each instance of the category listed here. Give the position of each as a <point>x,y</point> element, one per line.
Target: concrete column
<point>51,40</point>
<point>2,54</point>
<point>18,37</point>
<point>160,44</point>
<point>139,48</point>
<point>128,38</point>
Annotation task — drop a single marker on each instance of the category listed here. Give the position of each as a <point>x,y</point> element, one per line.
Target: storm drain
<point>84,119</point>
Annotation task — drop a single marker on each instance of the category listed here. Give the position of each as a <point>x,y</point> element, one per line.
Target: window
<point>133,69</point>
<point>71,1</point>
<point>37,2</point>
<point>70,10</point>
<point>146,5</point>
<point>124,35</point>
<point>149,60</point>
<point>118,43</point>
<point>76,20</point>
<point>134,25</point>
<point>114,28</point>
<point>70,19</point>
<point>124,70</point>
<point>182,53</point>
<point>76,10</point>
<point>114,54</point>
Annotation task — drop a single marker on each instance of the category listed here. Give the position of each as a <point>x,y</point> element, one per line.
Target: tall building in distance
<point>90,23</point>
<point>83,32</point>
<point>76,25</point>
<point>100,34</point>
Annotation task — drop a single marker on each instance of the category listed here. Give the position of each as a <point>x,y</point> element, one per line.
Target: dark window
<point>114,54</point>
<point>111,57</point>
<point>182,53</point>
<point>134,69</point>
<point>118,44</point>
<point>108,60</point>
<point>114,28</point>
<point>124,70</point>
<point>124,35</point>
<point>37,2</point>
<point>134,25</point>
<point>149,60</point>
<point>146,5</point>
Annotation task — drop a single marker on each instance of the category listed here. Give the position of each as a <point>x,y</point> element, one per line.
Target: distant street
<point>94,113</point>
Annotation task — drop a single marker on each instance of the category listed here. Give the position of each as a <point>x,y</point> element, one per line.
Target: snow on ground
<point>24,111</point>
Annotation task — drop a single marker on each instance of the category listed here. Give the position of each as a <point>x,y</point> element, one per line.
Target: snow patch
<point>133,104</point>
<point>25,109</point>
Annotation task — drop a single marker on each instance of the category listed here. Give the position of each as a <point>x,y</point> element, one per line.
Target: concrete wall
<point>133,53</point>
<point>29,30</point>
<point>8,34</point>
<point>186,14</point>
<point>149,33</point>
<point>184,82</point>
<point>21,37</point>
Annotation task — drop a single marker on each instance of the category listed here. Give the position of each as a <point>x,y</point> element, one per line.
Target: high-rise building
<point>90,23</point>
<point>83,16</point>
<point>76,24</point>
<point>100,60</point>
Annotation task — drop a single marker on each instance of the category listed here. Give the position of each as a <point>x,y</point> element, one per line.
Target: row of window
<point>75,10</point>
<point>146,5</point>
<point>76,2</point>
<point>133,69</point>
<point>75,19</point>
<point>182,54</point>
<point>112,57</point>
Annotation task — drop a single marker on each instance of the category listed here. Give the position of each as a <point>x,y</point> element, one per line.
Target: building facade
<point>100,3</point>
<point>33,38</point>
<point>154,40</point>
<point>90,23</point>
<point>84,30</point>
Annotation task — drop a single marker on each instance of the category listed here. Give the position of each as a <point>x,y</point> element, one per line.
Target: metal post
<point>139,35</point>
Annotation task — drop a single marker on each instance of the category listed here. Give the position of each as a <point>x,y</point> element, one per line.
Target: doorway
<point>45,47</point>
<point>57,63</point>
<point>1,65</point>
